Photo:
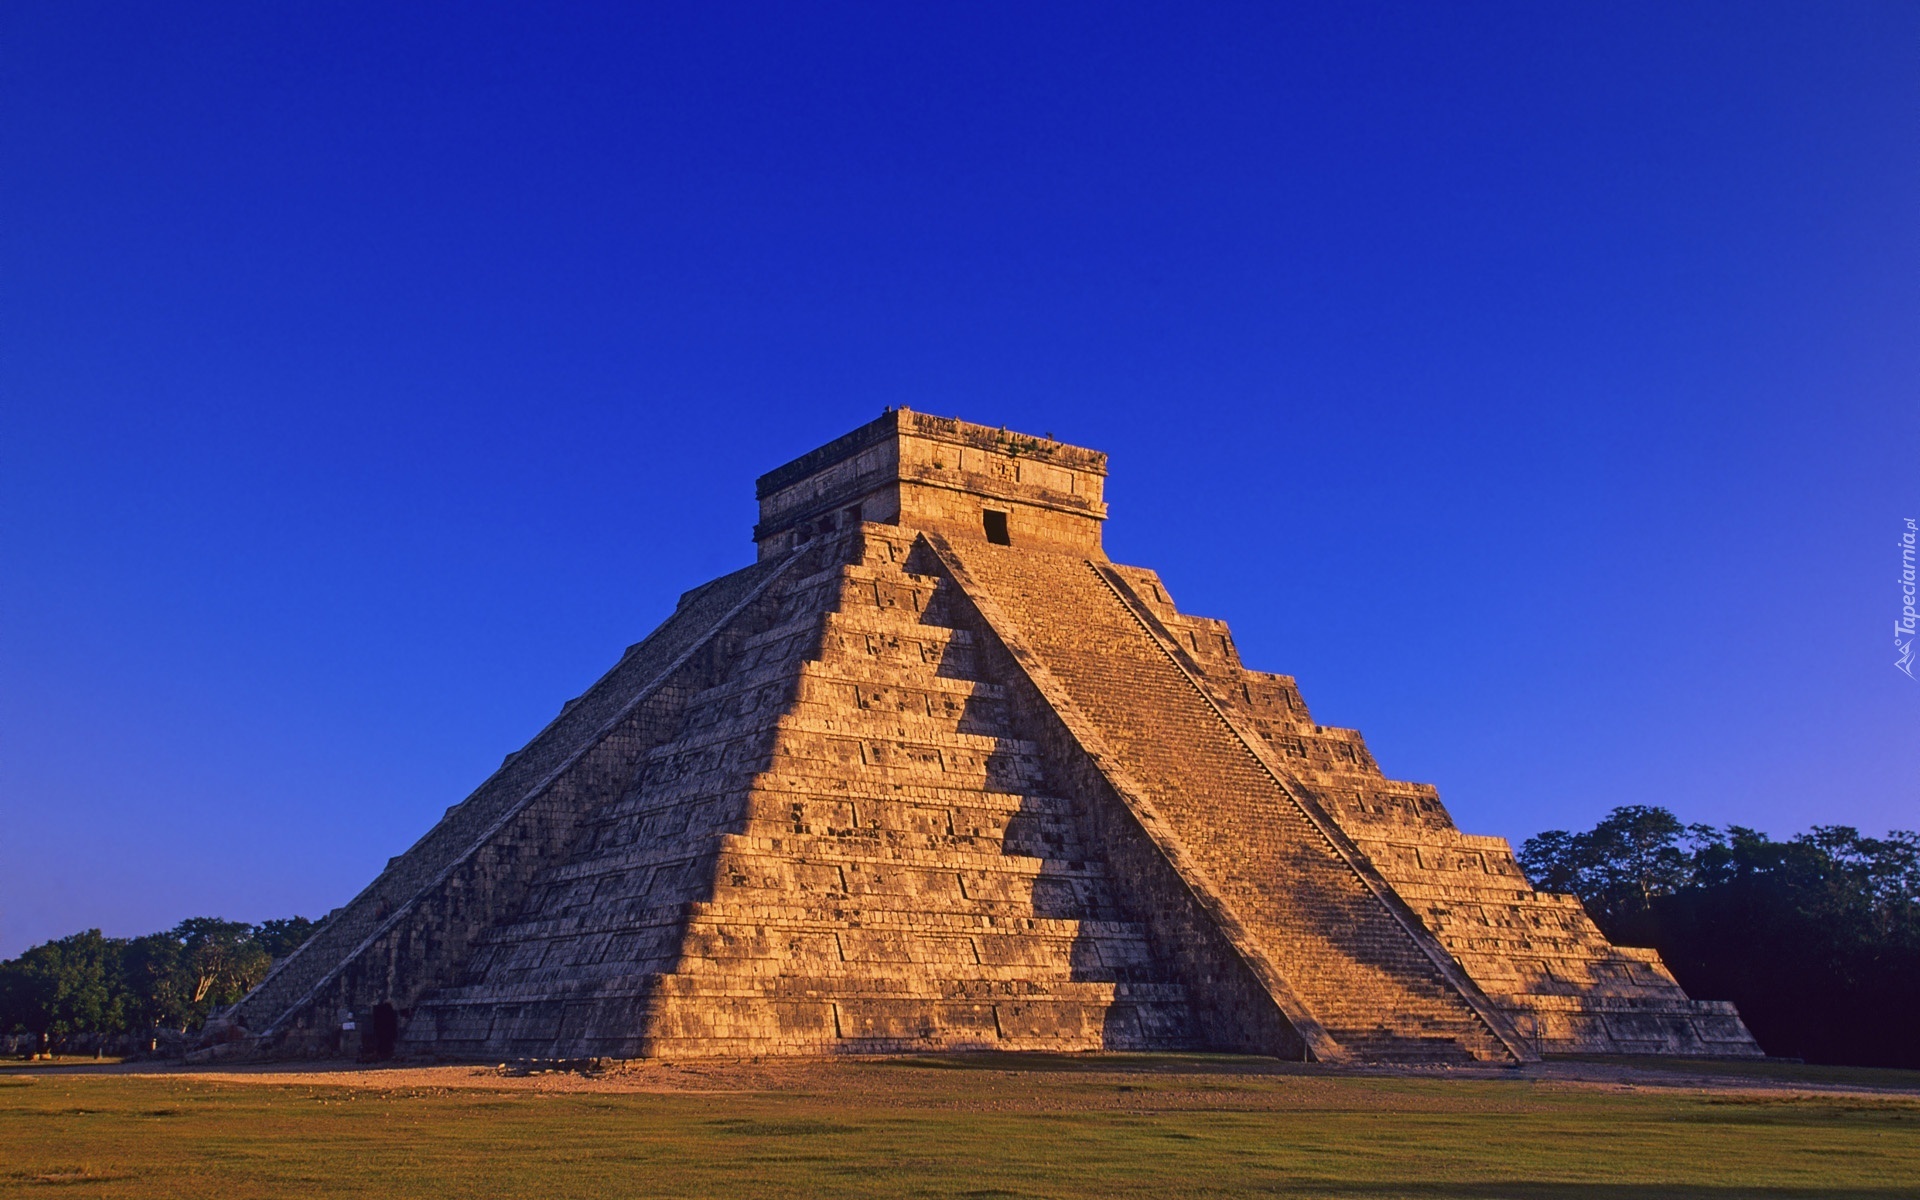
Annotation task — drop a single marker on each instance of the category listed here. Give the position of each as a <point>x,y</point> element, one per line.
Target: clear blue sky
<point>1536,382</point>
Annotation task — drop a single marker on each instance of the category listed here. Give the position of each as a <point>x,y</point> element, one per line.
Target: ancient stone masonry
<point>934,774</point>
<point>1536,955</point>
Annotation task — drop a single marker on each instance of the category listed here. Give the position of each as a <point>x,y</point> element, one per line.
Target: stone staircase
<point>843,849</point>
<point>1358,969</point>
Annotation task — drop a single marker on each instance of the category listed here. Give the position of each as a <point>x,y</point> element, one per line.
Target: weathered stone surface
<point>934,774</point>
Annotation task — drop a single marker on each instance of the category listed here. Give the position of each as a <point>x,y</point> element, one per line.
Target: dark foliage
<point>282,936</point>
<point>1815,939</point>
<point>89,984</point>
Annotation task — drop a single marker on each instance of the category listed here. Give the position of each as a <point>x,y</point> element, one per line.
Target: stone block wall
<point>936,473</point>
<point>908,784</point>
<point>845,847</point>
<point>1536,955</point>
<point>1359,971</point>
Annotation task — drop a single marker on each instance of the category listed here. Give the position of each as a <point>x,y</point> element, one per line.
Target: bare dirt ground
<point>1166,1076</point>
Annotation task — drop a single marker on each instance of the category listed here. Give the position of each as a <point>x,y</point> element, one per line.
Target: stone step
<point>1270,865</point>
<point>924,824</point>
<point>900,728</point>
<point>570,986</point>
<point>771,793</point>
<point>982,905</point>
<point>949,853</point>
<point>860,789</point>
<point>844,677</point>
<point>955,857</point>
<point>822,913</point>
<point>857,673</point>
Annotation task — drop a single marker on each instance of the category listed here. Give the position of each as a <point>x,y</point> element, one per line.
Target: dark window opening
<point>996,523</point>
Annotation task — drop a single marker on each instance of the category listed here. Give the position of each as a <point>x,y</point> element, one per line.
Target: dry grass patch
<point>1152,1127</point>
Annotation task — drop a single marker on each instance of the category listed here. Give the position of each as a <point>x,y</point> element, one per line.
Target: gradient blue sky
<point>1536,382</point>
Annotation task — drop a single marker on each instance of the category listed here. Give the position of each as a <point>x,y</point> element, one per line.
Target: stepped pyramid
<point>934,774</point>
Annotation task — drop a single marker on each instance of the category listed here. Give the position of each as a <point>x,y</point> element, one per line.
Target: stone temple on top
<point>935,774</point>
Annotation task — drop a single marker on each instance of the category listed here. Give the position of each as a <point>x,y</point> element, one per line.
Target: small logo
<point>1904,627</point>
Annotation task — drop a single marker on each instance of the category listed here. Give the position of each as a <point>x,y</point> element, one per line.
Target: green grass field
<point>983,1127</point>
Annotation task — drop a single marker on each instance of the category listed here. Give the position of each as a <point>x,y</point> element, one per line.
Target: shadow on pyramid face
<point>1125,995</point>
<point>836,840</point>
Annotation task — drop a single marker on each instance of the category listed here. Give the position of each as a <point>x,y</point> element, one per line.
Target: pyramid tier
<point>843,847</point>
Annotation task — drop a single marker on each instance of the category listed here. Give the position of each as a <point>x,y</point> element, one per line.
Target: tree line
<point>89,984</point>
<point>1815,939</point>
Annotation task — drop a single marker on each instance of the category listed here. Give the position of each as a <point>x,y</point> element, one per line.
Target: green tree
<point>88,983</point>
<point>63,987</point>
<point>1816,939</point>
<point>159,995</point>
<point>1619,868</point>
<point>282,936</point>
<point>220,961</point>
